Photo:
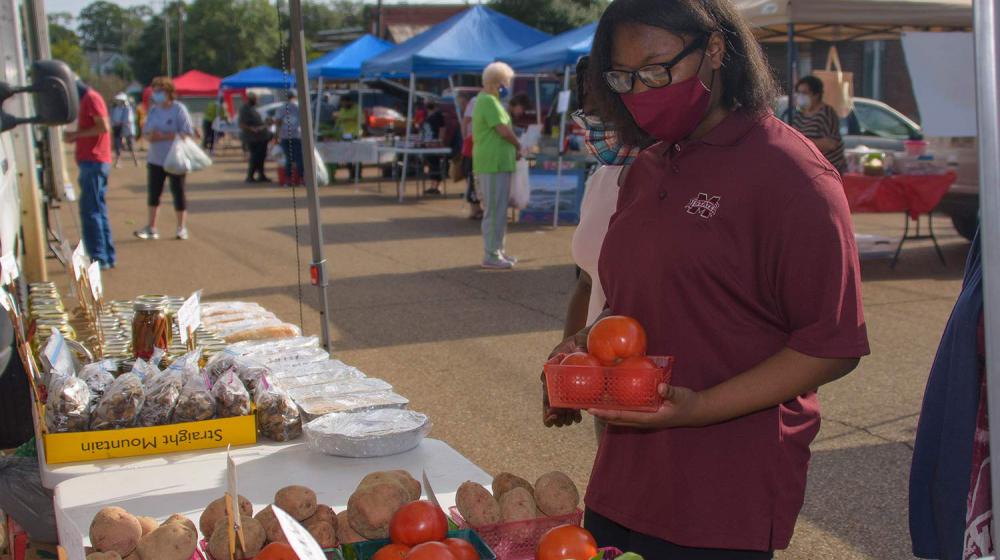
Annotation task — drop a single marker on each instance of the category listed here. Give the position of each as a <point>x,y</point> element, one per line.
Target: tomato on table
<point>567,542</point>
<point>461,549</point>
<point>392,552</point>
<point>614,338</point>
<point>431,551</point>
<point>418,522</point>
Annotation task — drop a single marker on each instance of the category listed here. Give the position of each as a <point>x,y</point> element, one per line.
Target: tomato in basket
<point>583,383</point>
<point>614,338</point>
<point>418,522</point>
<point>633,381</point>
<point>461,549</point>
<point>392,552</point>
<point>431,551</point>
<point>567,542</point>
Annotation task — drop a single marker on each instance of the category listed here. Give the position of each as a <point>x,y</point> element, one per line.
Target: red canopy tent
<point>195,83</point>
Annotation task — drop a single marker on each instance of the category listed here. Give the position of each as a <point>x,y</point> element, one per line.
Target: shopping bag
<point>198,158</point>
<point>456,169</point>
<point>177,162</point>
<point>276,154</point>
<point>520,188</point>
<point>838,86</point>
<point>322,175</point>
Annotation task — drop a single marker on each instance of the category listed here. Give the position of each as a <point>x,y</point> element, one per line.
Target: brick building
<point>402,21</point>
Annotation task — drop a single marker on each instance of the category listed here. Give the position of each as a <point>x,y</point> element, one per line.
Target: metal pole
<point>791,71</point>
<point>318,266</point>
<point>357,163</point>
<point>319,103</point>
<point>166,40</point>
<point>988,108</point>
<point>180,39</point>
<point>562,143</point>
<point>538,99</point>
<point>406,144</point>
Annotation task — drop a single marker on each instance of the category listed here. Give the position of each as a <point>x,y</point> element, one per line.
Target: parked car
<point>878,126</point>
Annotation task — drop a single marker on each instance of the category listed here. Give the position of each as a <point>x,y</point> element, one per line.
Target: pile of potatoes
<point>515,499</point>
<point>301,503</point>
<point>116,534</point>
<point>372,505</point>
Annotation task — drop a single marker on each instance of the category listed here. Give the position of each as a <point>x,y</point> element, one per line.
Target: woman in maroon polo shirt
<point>732,244</point>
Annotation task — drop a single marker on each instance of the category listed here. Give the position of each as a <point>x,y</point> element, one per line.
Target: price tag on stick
<point>8,269</point>
<point>233,507</point>
<point>96,285</point>
<point>430,492</point>
<point>304,545</point>
<point>189,316</point>
<point>79,260</point>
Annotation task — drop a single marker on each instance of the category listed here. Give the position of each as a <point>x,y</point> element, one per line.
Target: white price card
<point>304,545</point>
<point>189,316</point>
<point>430,491</point>
<point>80,261</point>
<point>6,302</point>
<point>8,269</point>
<point>94,277</point>
<point>563,105</point>
<point>58,354</point>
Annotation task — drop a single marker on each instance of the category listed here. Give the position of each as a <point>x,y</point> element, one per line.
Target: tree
<point>101,25</point>
<point>320,16</point>
<point>552,16</point>
<point>65,43</point>
<point>225,36</point>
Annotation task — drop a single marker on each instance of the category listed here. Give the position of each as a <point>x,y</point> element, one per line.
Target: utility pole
<point>166,39</point>
<point>180,39</point>
<point>378,20</point>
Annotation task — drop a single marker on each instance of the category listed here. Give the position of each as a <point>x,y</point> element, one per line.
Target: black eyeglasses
<point>653,75</point>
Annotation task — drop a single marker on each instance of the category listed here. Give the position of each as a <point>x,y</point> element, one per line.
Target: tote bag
<point>838,86</point>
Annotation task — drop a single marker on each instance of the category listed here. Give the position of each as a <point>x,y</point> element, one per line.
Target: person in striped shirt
<point>818,121</point>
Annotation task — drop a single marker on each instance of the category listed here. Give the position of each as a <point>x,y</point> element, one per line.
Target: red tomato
<point>615,338</point>
<point>431,551</point>
<point>418,522</point>
<point>583,384</point>
<point>633,383</point>
<point>278,551</point>
<point>392,552</point>
<point>567,542</point>
<point>461,550</point>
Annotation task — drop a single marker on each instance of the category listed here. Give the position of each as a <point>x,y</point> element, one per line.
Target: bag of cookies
<point>277,414</point>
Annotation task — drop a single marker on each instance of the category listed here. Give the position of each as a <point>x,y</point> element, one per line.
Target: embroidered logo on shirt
<point>703,205</point>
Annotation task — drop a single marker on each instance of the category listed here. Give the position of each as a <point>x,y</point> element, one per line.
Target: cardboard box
<point>156,440</point>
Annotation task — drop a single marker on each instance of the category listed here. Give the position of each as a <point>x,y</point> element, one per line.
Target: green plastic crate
<point>365,550</point>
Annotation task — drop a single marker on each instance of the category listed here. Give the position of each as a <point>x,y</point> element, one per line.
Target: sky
<point>74,6</point>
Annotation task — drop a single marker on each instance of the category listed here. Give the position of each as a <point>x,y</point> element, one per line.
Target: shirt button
<point>663,195</point>
<point>677,147</point>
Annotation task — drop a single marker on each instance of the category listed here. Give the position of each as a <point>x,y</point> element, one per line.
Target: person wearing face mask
<point>818,121</point>
<point>167,119</point>
<point>495,152</point>
<point>732,245</point>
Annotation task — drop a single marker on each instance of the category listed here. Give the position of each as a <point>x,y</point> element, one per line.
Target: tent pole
<point>319,102</point>
<point>987,49</point>
<point>318,266</point>
<point>538,99</point>
<point>406,144</point>
<point>791,71</point>
<point>357,164</point>
<point>562,143</point>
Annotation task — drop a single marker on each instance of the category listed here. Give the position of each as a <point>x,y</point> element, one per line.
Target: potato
<point>297,501</point>
<point>115,530</point>
<point>324,513</point>
<point>216,511</point>
<point>253,532</point>
<point>272,529</point>
<point>178,518</point>
<point>345,533</point>
<point>505,482</point>
<point>173,541</point>
<point>371,508</point>
<point>104,556</point>
<point>324,533</point>
<point>556,494</point>
<point>148,524</point>
<point>411,484</point>
<point>477,506</point>
<point>517,505</point>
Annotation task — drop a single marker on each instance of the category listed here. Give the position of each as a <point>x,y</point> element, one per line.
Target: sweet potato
<point>216,511</point>
<point>218,545</point>
<point>372,506</point>
<point>556,494</point>
<point>411,484</point>
<point>505,482</point>
<point>172,541</point>
<point>345,533</point>
<point>477,506</point>
<point>297,501</point>
<point>517,505</point>
<point>115,530</point>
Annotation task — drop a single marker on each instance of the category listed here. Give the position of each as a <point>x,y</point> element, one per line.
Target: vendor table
<point>416,152</point>
<point>365,152</point>
<point>186,487</point>
<point>915,195</point>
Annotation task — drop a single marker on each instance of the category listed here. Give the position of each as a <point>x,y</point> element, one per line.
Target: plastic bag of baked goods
<point>98,376</point>
<point>277,414</point>
<point>247,368</point>
<point>121,403</point>
<point>67,408</point>
<point>163,389</point>
<point>195,402</point>
<point>231,396</point>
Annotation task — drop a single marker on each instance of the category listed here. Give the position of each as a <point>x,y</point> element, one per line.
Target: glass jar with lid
<point>150,328</point>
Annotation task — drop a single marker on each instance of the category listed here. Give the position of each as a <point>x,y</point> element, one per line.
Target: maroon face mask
<point>669,113</point>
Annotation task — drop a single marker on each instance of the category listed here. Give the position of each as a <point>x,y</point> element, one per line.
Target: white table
<point>186,487</point>
<point>406,153</point>
<point>357,151</point>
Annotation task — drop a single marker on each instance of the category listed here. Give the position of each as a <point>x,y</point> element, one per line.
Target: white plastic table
<point>407,152</point>
<point>186,487</point>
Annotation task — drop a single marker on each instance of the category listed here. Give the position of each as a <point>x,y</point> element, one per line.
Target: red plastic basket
<point>609,388</point>
<point>517,540</point>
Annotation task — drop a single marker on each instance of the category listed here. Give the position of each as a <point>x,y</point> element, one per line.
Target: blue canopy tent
<point>465,43</point>
<point>259,76</point>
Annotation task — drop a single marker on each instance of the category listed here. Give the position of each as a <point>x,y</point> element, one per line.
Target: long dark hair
<point>747,80</point>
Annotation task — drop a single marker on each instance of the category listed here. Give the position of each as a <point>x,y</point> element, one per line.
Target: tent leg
<point>409,126</point>
<point>361,122</point>
<point>319,102</point>
<point>791,71</point>
<point>538,100</point>
<point>562,143</point>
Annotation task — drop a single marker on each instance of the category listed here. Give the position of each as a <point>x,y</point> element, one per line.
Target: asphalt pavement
<point>409,304</point>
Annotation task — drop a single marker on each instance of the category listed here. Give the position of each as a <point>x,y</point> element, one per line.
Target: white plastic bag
<point>177,162</point>
<point>196,156</point>
<point>520,187</point>
<point>277,155</point>
<point>322,175</point>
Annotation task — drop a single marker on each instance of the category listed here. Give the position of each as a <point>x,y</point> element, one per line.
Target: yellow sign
<point>156,440</point>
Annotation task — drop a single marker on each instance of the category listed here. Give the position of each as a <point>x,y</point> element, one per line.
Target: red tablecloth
<point>916,194</point>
